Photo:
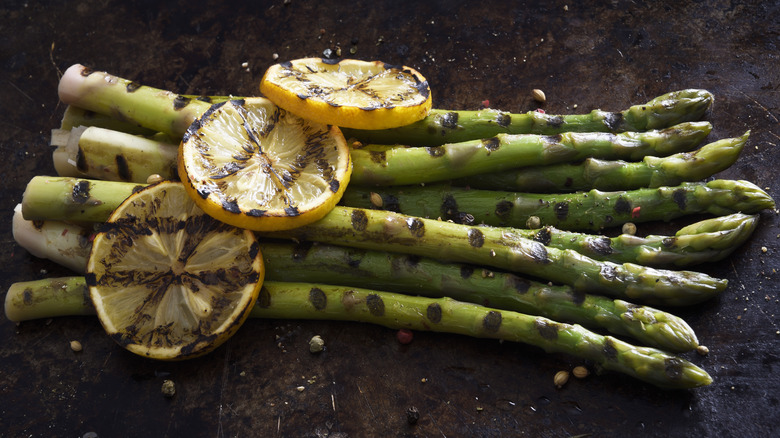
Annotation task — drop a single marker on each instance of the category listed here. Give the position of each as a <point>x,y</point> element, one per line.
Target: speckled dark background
<point>591,54</point>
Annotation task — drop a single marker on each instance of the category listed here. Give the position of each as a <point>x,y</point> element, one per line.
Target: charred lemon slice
<point>169,281</point>
<point>254,165</point>
<point>349,93</point>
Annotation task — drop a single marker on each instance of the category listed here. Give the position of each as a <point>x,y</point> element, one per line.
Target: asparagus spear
<point>325,302</point>
<point>321,263</point>
<point>500,249</point>
<point>443,126</point>
<point>383,230</point>
<point>112,155</point>
<point>74,199</point>
<point>592,210</point>
<point>599,174</point>
<point>129,101</point>
<point>399,165</point>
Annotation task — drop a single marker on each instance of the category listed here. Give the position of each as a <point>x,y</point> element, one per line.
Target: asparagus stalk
<point>45,199</point>
<point>593,173</point>
<point>112,155</point>
<point>592,210</point>
<point>398,165</point>
<point>326,302</point>
<point>500,249</point>
<point>73,117</point>
<point>330,264</point>
<point>129,101</point>
<point>444,126</point>
<point>706,241</point>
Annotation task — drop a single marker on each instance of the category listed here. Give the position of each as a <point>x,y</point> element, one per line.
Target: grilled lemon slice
<point>167,280</point>
<point>254,165</point>
<point>349,93</point>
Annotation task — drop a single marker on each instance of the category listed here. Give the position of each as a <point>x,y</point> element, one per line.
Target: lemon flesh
<point>167,280</point>
<point>254,165</point>
<point>349,93</point>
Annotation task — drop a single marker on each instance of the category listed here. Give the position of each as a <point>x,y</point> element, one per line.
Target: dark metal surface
<point>605,55</point>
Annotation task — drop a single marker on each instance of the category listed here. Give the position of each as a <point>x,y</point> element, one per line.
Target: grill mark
<point>433,312</point>
<point>476,238</point>
<point>318,299</point>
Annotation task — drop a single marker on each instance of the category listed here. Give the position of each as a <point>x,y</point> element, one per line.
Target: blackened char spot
<point>466,271</point>
<point>538,252</point>
<point>601,245</point>
<point>492,321</point>
<point>412,260</point>
<point>286,64</point>
<point>375,304</point>
<point>680,199</point>
<point>231,206</point>
<point>264,298</point>
<point>378,157</point>
<point>503,119</point>
<point>476,238</point>
<point>81,160</point>
<point>519,284</point>
<point>543,236</point>
<point>491,144</point>
<point>80,192</point>
<point>123,170</point>
<point>301,250</point>
<point>27,296</point>
<point>334,186</point>
<point>610,352</point>
<point>669,242</point>
<point>561,210</point>
<point>86,71</point>
<point>504,210</point>
<point>577,297</point>
<point>622,206</point>
<point>317,298</point>
<point>612,120</point>
<point>255,212</point>
<point>359,220</point>
<point>291,211</point>
<point>449,120</point>
<point>555,121</point>
<point>433,312</point>
<point>254,250</point>
<point>132,86</point>
<point>449,207</point>
<point>422,88</point>
<point>180,102</point>
<point>435,151</point>
<point>673,368</point>
<point>416,227</point>
<point>608,272</point>
<point>548,330</point>
<point>330,61</point>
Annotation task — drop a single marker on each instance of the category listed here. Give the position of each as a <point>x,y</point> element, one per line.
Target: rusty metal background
<point>584,55</point>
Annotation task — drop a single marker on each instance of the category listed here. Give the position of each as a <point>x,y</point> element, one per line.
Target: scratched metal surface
<point>591,54</point>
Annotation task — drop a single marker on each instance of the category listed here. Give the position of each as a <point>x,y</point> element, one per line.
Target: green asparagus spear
<point>73,199</point>
<point>101,153</point>
<point>383,230</point>
<point>593,210</point>
<point>443,126</point>
<point>398,165</point>
<point>599,174</point>
<point>73,117</point>
<point>129,101</point>
<point>500,249</point>
<point>337,303</point>
<point>321,263</point>
<point>58,198</point>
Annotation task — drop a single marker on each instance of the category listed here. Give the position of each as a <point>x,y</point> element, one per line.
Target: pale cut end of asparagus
<point>65,244</point>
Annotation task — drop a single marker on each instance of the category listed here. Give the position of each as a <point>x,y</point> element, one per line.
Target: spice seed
<point>539,95</point>
<point>560,379</point>
<point>580,372</point>
<point>76,346</point>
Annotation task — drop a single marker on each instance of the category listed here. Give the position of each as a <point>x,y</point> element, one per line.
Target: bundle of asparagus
<point>102,159</point>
